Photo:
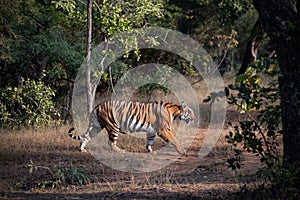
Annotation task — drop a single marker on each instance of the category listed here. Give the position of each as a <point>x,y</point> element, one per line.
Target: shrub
<point>260,134</point>
<point>28,104</point>
<point>60,176</point>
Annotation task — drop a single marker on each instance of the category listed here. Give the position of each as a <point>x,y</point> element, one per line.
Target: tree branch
<point>252,46</point>
<point>88,58</point>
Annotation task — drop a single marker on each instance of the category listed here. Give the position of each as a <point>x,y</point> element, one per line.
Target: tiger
<point>153,118</point>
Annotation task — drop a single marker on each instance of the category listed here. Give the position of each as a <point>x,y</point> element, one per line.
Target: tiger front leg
<point>150,139</point>
<point>168,136</point>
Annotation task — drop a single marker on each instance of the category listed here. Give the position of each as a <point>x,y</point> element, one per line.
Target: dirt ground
<point>189,177</point>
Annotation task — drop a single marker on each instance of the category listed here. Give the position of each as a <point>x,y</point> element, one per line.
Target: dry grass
<point>34,140</point>
<point>188,177</point>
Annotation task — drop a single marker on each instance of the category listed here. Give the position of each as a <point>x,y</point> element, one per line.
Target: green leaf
<point>240,78</point>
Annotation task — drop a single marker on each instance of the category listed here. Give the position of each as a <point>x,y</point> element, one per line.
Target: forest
<point>47,46</point>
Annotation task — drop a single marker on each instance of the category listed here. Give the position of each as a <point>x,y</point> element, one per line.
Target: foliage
<point>142,13</point>
<point>159,80</point>
<point>67,5</point>
<point>112,17</point>
<point>35,31</point>
<point>109,19</point>
<point>261,133</point>
<point>233,9</point>
<point>60,176</point>
<point>258,135</point>
<point>41,43</point>
<point>30,104</point>
<point>148,80</point>
<point>37,36</point>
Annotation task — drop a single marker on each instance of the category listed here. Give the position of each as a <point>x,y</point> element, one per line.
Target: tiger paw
<point>83,150</point>
<point>117,149</point>
<point>153,152</point>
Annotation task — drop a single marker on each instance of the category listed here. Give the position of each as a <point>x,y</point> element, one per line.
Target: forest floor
<point>188,177</point>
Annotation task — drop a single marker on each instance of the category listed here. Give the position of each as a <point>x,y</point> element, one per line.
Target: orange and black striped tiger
<point>127,116</point>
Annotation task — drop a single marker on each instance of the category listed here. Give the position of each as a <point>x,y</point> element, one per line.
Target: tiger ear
<point>183,106</point>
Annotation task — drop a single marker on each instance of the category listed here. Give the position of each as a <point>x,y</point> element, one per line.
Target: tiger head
<point>186,113</point>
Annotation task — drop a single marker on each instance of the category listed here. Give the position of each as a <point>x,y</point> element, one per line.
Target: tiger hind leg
<point>83,139</point>
<point>113,142</point>
<point>91,132</point>
<point>83,143</point>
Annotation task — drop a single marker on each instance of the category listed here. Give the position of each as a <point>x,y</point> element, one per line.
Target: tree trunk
<point>281,22</point>
<point>88,59</point>
<point>252,47</point>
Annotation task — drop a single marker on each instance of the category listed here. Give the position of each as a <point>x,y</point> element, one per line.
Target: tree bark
<point>298,7</point>
<point>282,24</point>
<point>88,59</point>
